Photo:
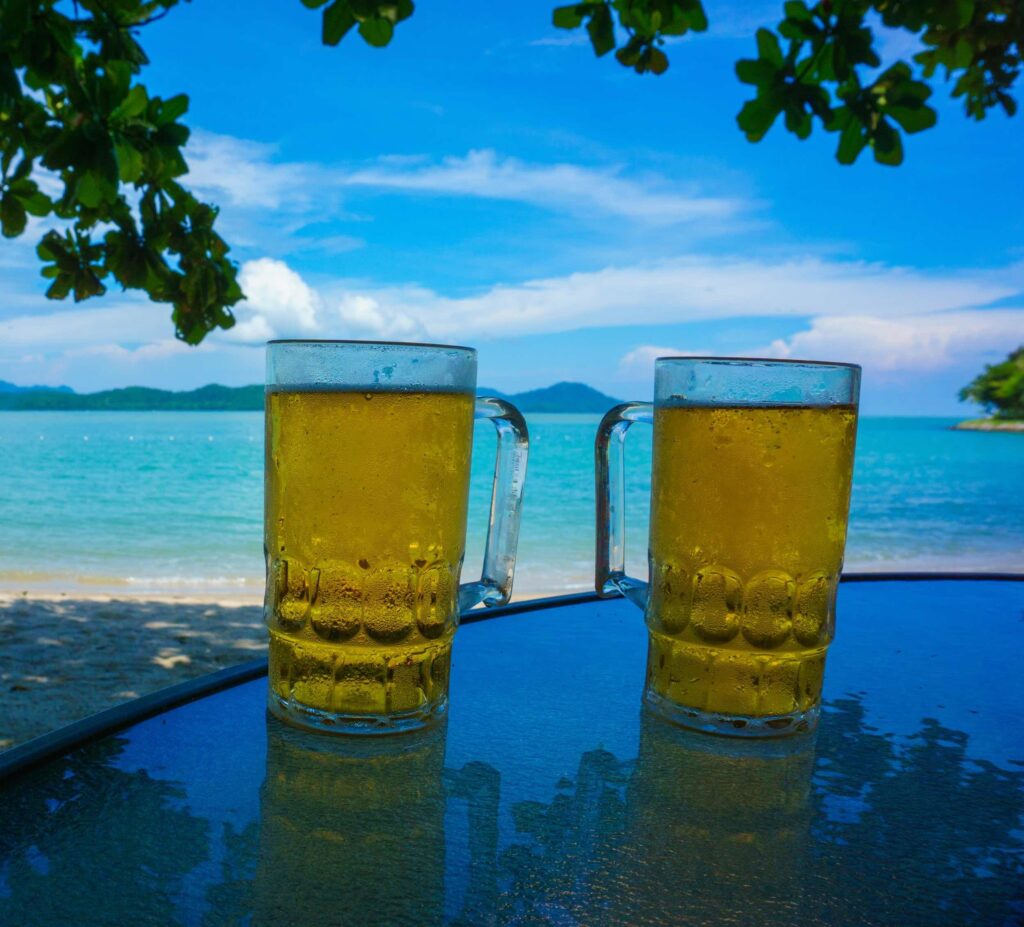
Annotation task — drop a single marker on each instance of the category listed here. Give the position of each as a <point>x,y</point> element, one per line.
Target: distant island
<point>989,424</point>
<point>562,397</point>
<point>999,389</point>
<point>212,398</point>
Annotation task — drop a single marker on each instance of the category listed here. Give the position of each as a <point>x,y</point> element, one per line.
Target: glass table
<point>549,797</point>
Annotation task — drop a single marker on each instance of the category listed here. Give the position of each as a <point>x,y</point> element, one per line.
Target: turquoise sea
<point>171,502</point>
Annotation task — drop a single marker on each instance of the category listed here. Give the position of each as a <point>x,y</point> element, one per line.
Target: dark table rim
<point>32,753</point>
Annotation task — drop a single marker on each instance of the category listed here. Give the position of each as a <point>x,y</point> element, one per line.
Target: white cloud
<point>279,303</point>
<point>127,321</point>
<point>883,317</point>
<point>915,343</point>
<point>638,364</point>
<point>363,315</point>
<point>239,172</point>
<point>699,288</point>
<point>569,187</point>
<point>246,174</point>
<point>688,289</point>
<point>144,354</point>
<point>574,39</point>
<point>118,342</point>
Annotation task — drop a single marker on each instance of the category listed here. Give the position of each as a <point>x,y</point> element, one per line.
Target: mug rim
<point>769,361</point>
<point>384,344</point>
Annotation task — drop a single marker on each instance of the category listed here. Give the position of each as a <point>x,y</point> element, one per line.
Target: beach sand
<point>65,657</point>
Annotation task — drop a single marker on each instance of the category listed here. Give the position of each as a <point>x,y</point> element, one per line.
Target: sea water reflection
<point>853,827</point>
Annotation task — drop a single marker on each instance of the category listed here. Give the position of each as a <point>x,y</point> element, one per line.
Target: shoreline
<point>249,590</point>
<point>10,593</point>
<point>68,655</point>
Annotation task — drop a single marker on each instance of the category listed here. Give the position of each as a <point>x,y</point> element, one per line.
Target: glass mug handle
<point>610,472</point>
<point>495,584</point>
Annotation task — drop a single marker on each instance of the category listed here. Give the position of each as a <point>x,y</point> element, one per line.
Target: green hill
<point>562,397</point>
<point>6,387</point>
<point>212,398</point>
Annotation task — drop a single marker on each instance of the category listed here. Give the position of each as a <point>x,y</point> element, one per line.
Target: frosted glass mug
<point>750,492</point>
<point>368,448</point>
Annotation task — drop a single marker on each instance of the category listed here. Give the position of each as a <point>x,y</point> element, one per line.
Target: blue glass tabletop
<point>550,798</point>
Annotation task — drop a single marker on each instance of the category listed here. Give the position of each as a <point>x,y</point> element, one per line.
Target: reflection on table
<point>571,809</point>
<point>694,830</point>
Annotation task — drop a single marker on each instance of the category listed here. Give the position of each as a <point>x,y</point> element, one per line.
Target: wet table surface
<point>550,798</point>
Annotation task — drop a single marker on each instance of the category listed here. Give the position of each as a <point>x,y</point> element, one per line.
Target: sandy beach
<point>65,657</point>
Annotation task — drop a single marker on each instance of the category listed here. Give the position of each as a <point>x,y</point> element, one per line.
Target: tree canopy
<point>83,142</point>
<point>999,389</point>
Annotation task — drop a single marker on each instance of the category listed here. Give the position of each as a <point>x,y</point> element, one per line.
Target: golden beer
<point>748,524</point>
<point>366,496</point>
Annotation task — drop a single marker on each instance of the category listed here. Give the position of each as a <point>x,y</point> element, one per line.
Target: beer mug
<point>368,448</point>
<point>750,493</point>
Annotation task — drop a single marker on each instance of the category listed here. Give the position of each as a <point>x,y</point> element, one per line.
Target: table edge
<point>24,757</point>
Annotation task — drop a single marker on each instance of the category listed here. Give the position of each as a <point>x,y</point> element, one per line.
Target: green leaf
<point>87,284</point>
<point>36,204</point>
<point>377,31</point>
<point>964,12</point>
<point>89,190</point>
<point>601,30</point>
<point>129,162</point>
<point>60,287</point>
<point>696,17</point>
<point>913,119</point>
<point>23,169</point>
<point>338,19</point>
<point>851,141</point>
<point>127,259</point>
<point>657,61</point>
<point>313,4</point>
<point>757,117</point>
<point>15,16</point>
<point>754,71</point>
<point>567,17</point>
<point>119,76</point>
<point>44,249</point>
<point>12,216</point>
<point>798,30</point>
<point>10,86</point>
<point>798,122</point>
<point>171,109</point>
<point>768,47</point>
<point>963,53</point>
<point>132,105</point>
<point>887,144</point>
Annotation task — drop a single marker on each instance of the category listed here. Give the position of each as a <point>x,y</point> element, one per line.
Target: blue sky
<point>485,180</point>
